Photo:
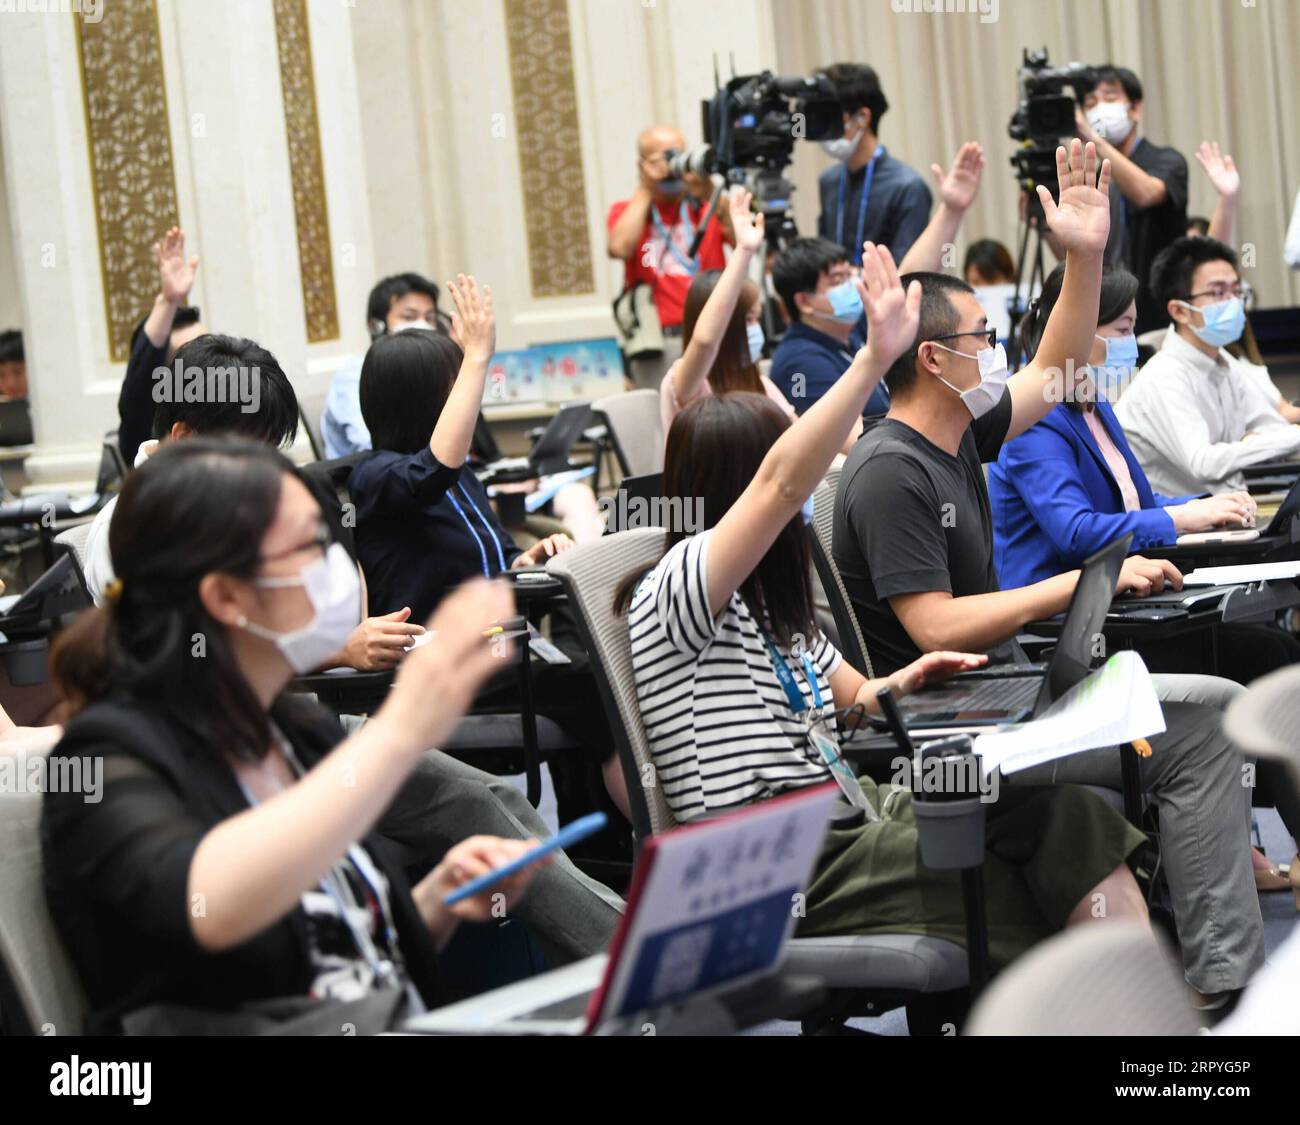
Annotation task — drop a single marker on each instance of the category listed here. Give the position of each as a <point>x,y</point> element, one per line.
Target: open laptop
<point>708,910</point>
<point>1280,524</point>
<point>551,453</point>
<point>1012,698</point>
<point>59,591</point>
<point>637,503</point>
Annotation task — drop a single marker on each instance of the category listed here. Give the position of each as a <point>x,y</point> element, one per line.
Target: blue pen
<point>578,830</point>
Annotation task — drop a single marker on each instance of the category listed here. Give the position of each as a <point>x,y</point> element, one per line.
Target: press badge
<point>829,752</point>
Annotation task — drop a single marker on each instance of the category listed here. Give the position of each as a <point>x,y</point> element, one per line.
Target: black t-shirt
<point>1138,235</point>
<point>909,519</point>
<point>135,404</point>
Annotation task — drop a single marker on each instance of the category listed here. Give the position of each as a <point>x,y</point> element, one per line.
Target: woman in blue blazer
<point>1070,485</point>
<point>1056,494</point>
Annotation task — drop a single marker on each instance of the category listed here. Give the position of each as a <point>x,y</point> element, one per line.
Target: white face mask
<point>334,591</point>
<point>841,148</point>
<point>1110,121</point>
<point>994,374</point>
<point>415,325</point>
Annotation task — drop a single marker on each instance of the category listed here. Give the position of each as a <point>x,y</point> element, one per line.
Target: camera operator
<point>652,233</point>
<point>870,196</point>
<point>1148,195</point>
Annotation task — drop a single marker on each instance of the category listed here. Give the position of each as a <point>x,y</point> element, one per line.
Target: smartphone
<point>570,834</point>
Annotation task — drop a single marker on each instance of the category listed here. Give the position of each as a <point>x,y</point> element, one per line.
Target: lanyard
<point>684,218</point>
<point>381,967</point>
<point>478,539</point>
<point>785,677</point>
<point>855,251</point>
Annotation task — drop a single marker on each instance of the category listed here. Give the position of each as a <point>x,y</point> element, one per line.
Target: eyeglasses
<point>1226,291</point>
<point>989,334</point>
<point>321,541</point>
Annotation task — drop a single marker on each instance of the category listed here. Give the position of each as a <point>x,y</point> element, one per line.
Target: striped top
<point>720,727</point>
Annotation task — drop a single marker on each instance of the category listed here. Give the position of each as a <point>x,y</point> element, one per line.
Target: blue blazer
<point>1055,501</point>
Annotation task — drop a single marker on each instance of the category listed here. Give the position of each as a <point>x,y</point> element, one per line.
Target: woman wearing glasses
<point>224,856</point>
<point>735,681</point>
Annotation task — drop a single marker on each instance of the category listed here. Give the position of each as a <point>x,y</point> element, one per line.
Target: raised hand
<point>892,315</point>
<point>473,325</point>
<point>1081,219</point>
<point>747,226</point>
<point>1221,169</point>
<point>175,274</point>
<point>957,189</point>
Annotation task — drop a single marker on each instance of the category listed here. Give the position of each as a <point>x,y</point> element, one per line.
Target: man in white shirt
<point>1195,415</point>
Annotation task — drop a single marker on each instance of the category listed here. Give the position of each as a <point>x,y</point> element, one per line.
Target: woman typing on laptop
<point>733,674</point>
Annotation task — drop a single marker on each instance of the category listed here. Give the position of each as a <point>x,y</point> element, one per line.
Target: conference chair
<point>1116,978</point>
<point>635,430</point>
<point>311,406</point>
<point>868,975</point>
<point>851,641</point>
<point>40,993</point>
<point>73,540</point>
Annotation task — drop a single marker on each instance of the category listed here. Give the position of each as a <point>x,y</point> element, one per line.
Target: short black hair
<point>11,346</point>
<point>405,381</point>
<point>1175,266</point>
<point>857,86</point>
<point>1200,224</point>
<point>1109,72</point>
<point>989,258</point>
<point>274,422</point>
<point>185,316</point>
<point>938,318</point>
<point>393,288</point>
<point>799,267</point>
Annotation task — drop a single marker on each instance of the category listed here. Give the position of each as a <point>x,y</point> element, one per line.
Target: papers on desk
<point>1115,704</point>
<point>1235,575</point>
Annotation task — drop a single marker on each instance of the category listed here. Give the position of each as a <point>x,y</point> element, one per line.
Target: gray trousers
<point>443,801</point>
<point>1196,779</point>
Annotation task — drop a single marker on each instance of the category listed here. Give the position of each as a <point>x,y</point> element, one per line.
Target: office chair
<point>635,430</point>
<point>1112,978</point>
<point>852,643</point>
<point>868,975</point>
<point>39,989</point>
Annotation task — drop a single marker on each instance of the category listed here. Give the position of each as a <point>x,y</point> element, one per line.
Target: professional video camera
<point>750,127</point>
<point>1044,116</point>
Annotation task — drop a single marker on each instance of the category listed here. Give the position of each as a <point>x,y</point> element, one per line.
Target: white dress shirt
<point>99,561</point>
<point>1187,416</point>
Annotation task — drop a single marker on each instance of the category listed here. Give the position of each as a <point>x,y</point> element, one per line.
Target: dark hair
<point>194,508</point>
<point>394,288</point>
<point>223,360</point>
<point>184,316</point>
<point>714,450</point>
<point>1175,266</point>
<point>938,318</point>
<point>990,259</point>
<point>857,86</point>
<point>799,267</point>
<point>732,370</point>
<point>1119,289</point>
<point>1200,224</point>
<point>405,381</point>
<point>11,346</point>
<point>1108,72</point>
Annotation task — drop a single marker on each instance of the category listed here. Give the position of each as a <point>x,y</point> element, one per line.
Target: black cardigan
<point>117,870</point>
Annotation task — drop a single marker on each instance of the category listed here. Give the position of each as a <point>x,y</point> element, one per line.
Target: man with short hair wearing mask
<point>869,196</point>
<point>1149,186</point>
<point>1196,415</point>
<point>652,233</point>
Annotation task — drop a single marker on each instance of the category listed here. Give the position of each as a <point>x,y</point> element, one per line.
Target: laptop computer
<point>708,910</point>
<point>1280,524</point>
<point>1011,697</point>
<point>551,453</point>
<point>635,504</point>
<point>15,422</point>
<point>59,591</point>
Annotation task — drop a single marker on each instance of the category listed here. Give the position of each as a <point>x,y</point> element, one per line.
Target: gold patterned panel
<point>130,150</point>
<point>306,170</point>
<point>550,157</point>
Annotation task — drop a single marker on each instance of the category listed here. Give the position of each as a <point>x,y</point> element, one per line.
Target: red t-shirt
<point>655,262</point>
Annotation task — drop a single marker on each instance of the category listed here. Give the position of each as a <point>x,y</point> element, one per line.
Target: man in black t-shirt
<point>914,543</point>
<point>1149,188</point>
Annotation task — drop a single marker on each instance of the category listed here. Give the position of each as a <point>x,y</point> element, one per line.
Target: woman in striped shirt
<point>729,661</point>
